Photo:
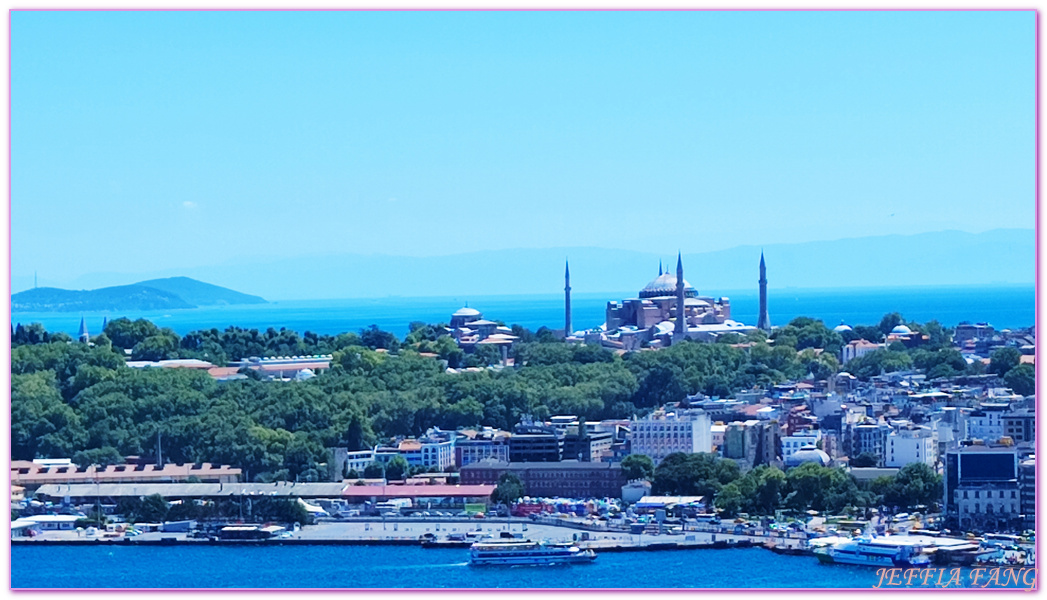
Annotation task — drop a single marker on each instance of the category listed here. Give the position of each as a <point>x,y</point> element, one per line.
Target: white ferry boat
<point>888,551</point>
<point>524,552</point>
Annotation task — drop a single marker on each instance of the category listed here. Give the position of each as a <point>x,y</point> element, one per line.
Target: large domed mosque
<point>668,310</point>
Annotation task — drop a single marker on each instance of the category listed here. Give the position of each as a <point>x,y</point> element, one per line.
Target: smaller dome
<point>842,327</point>
<point>901,330</point>
<point>466,312</point>
<point>807,454</point>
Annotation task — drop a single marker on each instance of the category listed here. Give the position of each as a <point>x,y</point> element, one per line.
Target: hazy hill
<point>938,258</point>
<point>160,294</point>
<point>124,297</point>
<point>199,293</point>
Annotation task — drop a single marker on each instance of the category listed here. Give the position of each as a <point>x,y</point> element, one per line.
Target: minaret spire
<point>83,336</point>
<point>764,322</point>
<point>681,325</point>
<point>659,267</point>
<point>567,298</point>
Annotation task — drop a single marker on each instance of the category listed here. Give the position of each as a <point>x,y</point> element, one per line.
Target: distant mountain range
<point>155,294</point>
<point>1004,256</point>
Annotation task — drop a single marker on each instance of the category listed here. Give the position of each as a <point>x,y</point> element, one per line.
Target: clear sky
<point>161,140</point>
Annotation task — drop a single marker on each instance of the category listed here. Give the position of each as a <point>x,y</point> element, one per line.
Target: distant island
<point>154,294</point>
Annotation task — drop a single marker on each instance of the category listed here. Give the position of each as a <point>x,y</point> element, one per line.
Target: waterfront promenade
<point>411,531</point>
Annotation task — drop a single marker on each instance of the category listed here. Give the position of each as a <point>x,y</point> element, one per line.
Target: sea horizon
<point>1004,305</point>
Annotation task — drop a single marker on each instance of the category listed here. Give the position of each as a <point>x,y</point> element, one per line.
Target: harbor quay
<point>413,532</point>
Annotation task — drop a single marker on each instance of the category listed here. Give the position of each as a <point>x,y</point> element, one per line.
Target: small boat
<point>526,552</point>
<point>875,552</point>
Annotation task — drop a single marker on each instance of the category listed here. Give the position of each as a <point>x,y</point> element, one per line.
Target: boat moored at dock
<point>887,551</point>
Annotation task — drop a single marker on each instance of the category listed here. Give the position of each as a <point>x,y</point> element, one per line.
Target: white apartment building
<point>986,423</point>
<point>358,461</point>
<point>911,444</point>
<point>792,443</point>
<point>662,434</point>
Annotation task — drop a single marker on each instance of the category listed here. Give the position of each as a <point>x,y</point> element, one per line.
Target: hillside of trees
<point>80,401</point>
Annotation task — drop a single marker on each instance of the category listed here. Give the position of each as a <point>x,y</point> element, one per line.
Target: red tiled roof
<point>39,474</point>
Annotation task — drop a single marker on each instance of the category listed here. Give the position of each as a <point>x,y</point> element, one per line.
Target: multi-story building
<point>482,445</point>
<point>662,433</point>
<point>982,488</point>
<point>718,431</point>
<point>792,443</point>
<point>986,423</point>
<point>1027,492</point>
<point>1020,426</point>
<point>967,331</point>
<point>868,437</point>
<point>951,424</point>
<point>344,462</point>
<point>565,479</point>
<point>911,444</point>
<point>434,451</point>
<point>857,349</point>
<point>532,442</point>
<point>751,442</point>
<point>589,446</point>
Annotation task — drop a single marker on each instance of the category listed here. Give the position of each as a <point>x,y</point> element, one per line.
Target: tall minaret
<point>567,299</point>
<point>764,322</point>
<point>83,336</point>
<point>681,326</point>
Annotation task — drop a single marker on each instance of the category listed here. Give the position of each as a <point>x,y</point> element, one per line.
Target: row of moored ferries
<point>917,551</point>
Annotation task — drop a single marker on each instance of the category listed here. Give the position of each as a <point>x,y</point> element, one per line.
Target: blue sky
<point>158,140</point>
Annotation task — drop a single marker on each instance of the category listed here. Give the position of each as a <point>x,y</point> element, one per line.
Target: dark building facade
<point>1027,492</point>
<point>565,479</point>
<point>982,490</point>
<point>536,443</point>
<point>1020,426</point>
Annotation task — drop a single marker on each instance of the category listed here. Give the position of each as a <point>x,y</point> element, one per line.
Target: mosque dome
<point>901,330</point>
<point>842,327</point>
<point>665,285</point>
<point>807,454</point>
<point>466,312</point>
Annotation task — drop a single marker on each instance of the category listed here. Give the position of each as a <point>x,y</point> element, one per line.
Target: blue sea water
<point>117,566</point>
<point>1003,306</point>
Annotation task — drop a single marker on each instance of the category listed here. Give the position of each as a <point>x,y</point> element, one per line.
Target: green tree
<point>913,485</point>
<point>373,337</point>
<point>1003,360</point>
<point>374,471</point>
<point>638,466</point>
<point>127,334</point>
<point>396,468</point>
<point>869,333</point>
<point>889,322</point>
<point>509,489</point>
<point>104,456</point>
<point>730,499</point>
<point>1021,379</point>
<point>698,474</point>
<point>42,425</point>
<point>865,459</point>
<point>153,509</point>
